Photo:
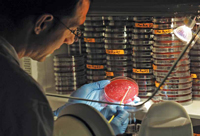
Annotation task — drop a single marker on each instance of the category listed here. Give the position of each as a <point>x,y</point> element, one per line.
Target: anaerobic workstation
<point>135,40</point>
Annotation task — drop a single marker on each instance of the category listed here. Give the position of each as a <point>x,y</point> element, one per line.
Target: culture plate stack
<point>142,43</point>
<point>69,73</point>
<point>94,28</point>
<point>117,45</point>
<point>195,70</point>
<point>167,47</point>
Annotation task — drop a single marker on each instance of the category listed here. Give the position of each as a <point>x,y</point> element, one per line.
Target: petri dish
<point>119,87</point>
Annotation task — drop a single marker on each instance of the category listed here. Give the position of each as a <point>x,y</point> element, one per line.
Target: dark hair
<point>18,9</point>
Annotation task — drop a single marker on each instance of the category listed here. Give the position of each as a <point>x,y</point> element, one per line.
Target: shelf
<point>192,109</point>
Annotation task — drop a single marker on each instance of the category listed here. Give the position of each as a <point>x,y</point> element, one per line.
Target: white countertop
<point>192,109</point>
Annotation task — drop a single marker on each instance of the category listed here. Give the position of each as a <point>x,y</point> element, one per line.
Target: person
<point>35,28</point>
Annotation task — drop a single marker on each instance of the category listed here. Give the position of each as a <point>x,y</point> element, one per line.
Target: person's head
<point>38,27</point>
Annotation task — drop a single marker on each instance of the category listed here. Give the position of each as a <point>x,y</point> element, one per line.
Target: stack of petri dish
<point>142,44</point>
<point>118,49</point>
<point>94,28</point>
<point>167,47</point>
<point>195,70</point>
<point>69,73</point>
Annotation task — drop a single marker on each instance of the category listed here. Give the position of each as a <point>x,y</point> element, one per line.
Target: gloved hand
<point>134,109</point>
<point>90,91</point>
<point>120,122</point>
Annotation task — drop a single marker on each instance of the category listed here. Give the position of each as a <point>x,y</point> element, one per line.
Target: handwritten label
<point>196,134</point>
<point>90,40</point>
<point>164,31</point>
<point>144,25</point>
<point>154,67</point>
<point>157,85</point>
<point>140,70</point>
<point>114,51</point>
<point>193,75</point>
<point>109,74</point>
<point>95,66</point>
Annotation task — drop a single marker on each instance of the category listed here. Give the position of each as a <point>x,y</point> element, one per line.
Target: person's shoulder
<point>19,83</point>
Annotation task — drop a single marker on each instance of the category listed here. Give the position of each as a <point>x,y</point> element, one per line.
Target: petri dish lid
<point>118,87</point>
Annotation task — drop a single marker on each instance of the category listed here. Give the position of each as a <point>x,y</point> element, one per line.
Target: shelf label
<point>90,40</point>
<point>140,70</point>
<point>109,74</point>
<point>164,31</point>
<point>95,66</point>
<point>193,75</point>
<point>115,52</point>
<point>144,25</point>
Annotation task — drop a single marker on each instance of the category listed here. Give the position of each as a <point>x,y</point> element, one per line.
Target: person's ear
<point>42,22</point>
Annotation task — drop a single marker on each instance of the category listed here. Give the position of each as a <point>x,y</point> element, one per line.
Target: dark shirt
<point>24,109</point>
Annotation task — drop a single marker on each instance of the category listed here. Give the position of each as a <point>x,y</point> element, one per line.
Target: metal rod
<point>76,98</point>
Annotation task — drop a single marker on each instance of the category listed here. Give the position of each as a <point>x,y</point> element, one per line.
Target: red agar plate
<point>118,87</point>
